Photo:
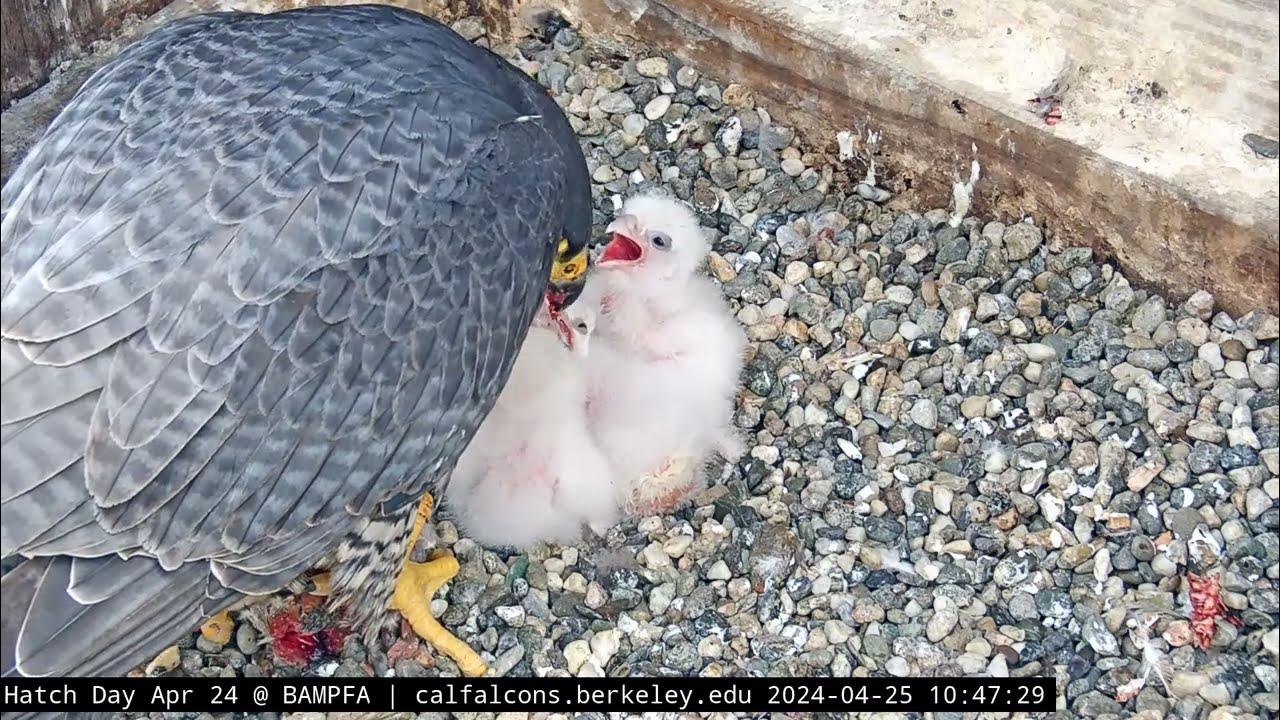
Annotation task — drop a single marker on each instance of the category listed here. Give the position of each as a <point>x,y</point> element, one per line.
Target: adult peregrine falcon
<point>263,278</point>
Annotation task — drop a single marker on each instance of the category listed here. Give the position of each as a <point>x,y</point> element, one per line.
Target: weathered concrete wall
<point>1148,164</point>
<point>37,35</point>
<point>1163,184</point>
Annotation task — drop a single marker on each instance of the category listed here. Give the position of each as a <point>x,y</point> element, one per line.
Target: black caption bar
<point>529,694</point>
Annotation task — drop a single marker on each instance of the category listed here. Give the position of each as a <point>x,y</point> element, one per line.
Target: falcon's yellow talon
<point>217,629</point>
<point>417,584</point>
<point>419,522</point>
<point>324,584</point>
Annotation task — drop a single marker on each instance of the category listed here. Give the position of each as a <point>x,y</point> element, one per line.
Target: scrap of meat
<point>1048,102</point>
<point>303,632</point>
<point>1207,607</point>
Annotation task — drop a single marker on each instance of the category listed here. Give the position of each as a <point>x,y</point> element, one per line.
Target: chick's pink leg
<point>667,487</point>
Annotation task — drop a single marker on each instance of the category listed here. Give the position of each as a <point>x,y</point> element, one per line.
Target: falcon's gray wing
<point>262,274</point>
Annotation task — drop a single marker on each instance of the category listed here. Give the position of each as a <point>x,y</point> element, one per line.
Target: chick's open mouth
<point>553,320</point>
<point>563,330</point>
<point>621,249</point>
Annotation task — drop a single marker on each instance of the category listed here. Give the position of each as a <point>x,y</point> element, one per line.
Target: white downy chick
<point>533,472</point>
<point>665,357</point>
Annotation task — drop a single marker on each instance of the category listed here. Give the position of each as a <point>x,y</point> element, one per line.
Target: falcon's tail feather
<point>65,616</point>
<point>17,588</point>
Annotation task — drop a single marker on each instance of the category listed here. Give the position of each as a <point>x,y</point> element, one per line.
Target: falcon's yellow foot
<point>417,584</point>
<point>323,583</point>
<point>217,629</point>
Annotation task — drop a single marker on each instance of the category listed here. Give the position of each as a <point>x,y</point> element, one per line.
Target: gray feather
<point>250,295</point>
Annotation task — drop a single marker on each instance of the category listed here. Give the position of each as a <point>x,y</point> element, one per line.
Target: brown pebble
<point>929,291</point>
<point>1044,539</point>
<point>218,628</point>
<point>710,495</point>
<point>738,96</point>
<point>166,661</point>
<point>1007,520</point>
<point>1178,633</point>
<point>1233,349</point>
<point>796,329</point>
<point>1030,304</point>
<point>1119,523</point>
<point>720,267</point>
<point>893,499</point>
<point>1010,654</point>
<point>947,442</point>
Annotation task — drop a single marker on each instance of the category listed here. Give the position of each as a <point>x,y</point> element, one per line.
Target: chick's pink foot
<point>666,488</point>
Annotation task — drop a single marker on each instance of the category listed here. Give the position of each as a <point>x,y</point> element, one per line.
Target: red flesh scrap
<point>406,646</point>
<point>294,645</point>
<point>1207,607</point>
<point>1048,108</point>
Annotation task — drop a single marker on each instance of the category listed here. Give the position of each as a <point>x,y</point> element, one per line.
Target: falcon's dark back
<point>262,280</point>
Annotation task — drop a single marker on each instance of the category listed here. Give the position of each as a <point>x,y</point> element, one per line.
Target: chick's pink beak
<point>553,320</point>
<point>623,249</point>
<point>564,332</point>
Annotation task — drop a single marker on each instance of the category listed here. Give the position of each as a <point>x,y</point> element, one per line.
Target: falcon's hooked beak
<point>625,247</point>
<point>568,277</point>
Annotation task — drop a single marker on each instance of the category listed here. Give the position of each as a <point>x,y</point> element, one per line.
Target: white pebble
<point>941,624</point>
<point>655,558</point>
<point>719,571</point>
<point>605,644</point>
<point>595,596</point>
<point>999,667</point>
<point>1211,354</point>
<point>1051,507</point>
<point>792,167</point>
<point>676,546</point>
<point>766,454</point>
<point>576,654</point>
<point>512,615</point>
<point>657,107</point>
<point>711,647</point>
<point>1039,352</point>
<point>652,67</point>
<point>942,499</point>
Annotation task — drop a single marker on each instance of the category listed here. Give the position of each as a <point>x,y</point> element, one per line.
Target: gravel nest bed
<point>974,450</point>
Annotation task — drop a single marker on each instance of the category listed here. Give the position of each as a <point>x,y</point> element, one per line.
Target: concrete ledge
<point>1161,234</point>
<point>36,37</point>
<point>1168,230</point>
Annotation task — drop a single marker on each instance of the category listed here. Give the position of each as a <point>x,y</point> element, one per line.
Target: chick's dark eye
<point>662,241</point>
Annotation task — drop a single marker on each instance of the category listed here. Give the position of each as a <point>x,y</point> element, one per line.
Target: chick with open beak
<point>642,237</point>
<point>665,357</point>
<point>624,247</point>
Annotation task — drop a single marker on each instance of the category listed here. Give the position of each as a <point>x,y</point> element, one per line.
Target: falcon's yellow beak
<point>568,275</point>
